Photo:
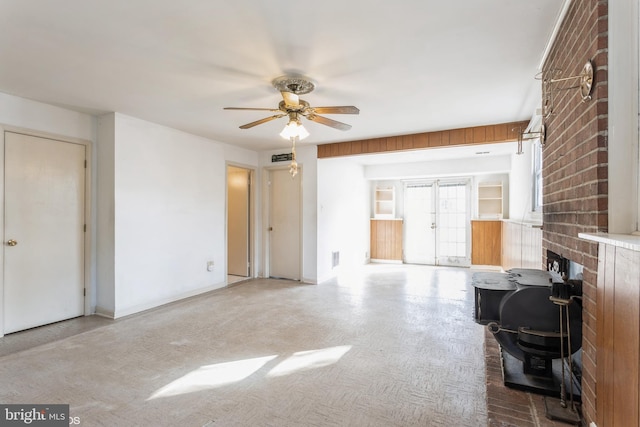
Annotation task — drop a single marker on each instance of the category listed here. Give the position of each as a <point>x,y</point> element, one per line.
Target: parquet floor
<point>381,346</point>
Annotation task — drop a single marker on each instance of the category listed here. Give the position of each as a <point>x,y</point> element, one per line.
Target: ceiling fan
<point>292,106</point>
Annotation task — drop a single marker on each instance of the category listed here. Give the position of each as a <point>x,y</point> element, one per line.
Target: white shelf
<point>385,203</point>
<point>490,200</point>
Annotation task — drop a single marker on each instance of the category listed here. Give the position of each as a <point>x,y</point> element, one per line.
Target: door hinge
<point>84,292</point>
<point>85,164</point>
<point>85,228</point>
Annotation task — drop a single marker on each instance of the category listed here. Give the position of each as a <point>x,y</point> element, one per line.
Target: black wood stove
<point>536,317</point>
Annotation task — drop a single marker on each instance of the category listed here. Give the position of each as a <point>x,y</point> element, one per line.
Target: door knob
<point>270,228</point>
<point>433,225</point>
<point>12,242</point>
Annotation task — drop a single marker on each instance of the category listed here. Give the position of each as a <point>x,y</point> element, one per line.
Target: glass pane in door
<point>453,224</point>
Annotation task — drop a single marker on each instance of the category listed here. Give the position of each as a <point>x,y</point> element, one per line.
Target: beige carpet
<point>386,346</point>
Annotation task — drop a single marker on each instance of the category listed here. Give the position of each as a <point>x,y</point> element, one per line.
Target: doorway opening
<point>239,219</point>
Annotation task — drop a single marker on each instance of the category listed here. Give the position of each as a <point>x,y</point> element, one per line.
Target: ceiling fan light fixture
<point>292,106</point>
<point>294,129</point>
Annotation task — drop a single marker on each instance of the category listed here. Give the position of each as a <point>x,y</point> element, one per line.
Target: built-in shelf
<point>385,203</point>
<point>490,200</point>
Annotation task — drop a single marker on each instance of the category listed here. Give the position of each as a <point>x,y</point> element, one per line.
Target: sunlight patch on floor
<point>312,359</point>
<point>209,377</point>
<point>212,376</point>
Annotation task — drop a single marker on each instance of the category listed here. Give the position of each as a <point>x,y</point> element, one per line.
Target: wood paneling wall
<point>503,132</point>
<point>386,239</point>
<point>521,246</point>
<point>618,337</point>
<point>486,242</point>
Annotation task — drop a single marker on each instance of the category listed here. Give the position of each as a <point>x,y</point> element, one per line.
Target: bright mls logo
<point>34,415</point>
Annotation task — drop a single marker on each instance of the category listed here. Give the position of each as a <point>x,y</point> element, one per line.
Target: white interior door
<point>238,204</point>
<point>284,225</point>
<point>43,231</point>
<point>419,224</point>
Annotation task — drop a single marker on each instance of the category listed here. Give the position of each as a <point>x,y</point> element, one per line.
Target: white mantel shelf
<point>626,241</point>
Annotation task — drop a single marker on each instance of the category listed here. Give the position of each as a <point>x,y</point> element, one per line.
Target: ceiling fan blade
<point>261,121</point>
<point>345,109</point>
<point>290,99</point>
<point>252,109</point>
<point>328,122</point>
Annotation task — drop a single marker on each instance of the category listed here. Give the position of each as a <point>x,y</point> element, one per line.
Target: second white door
<point>284,225</point>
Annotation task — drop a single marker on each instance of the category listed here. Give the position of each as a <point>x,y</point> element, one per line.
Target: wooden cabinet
<point>490,200</point>
<point>486,243</point>
<point>386,239</point>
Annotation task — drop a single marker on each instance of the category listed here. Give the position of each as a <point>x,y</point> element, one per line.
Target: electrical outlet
<point>209,265</point>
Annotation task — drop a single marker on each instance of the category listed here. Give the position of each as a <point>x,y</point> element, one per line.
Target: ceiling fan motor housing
<point>297,85</point>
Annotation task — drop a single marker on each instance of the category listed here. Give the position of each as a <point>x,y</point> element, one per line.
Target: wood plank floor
<point>380,346</point>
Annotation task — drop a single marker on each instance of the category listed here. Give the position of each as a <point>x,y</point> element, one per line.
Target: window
<point>537,177</point>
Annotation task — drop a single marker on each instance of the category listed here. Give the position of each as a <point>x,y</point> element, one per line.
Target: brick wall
<point>575,163</point>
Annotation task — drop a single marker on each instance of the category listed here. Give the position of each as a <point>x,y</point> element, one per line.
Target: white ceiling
<point>409,65</point>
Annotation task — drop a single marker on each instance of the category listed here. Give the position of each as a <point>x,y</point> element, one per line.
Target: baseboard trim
<point>486,267</point>
<point>118,313</point>
<point>99,311</point>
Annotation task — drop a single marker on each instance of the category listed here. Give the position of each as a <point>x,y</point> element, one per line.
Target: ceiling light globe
<point>294,129</point>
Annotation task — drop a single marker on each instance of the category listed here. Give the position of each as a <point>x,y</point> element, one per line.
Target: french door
<point>437,223</point>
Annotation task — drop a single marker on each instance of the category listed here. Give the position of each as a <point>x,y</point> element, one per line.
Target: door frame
<point>266,215</point>
<point>253,253</point>
<point>89,287</point>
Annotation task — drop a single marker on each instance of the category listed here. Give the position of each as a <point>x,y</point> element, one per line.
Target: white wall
<point>158,204</point>
<point>32,115</point>
<point>169,192</point>
<point>474,181</point>
<point>307,158</point>
<point>483,169</point>
<point>105,231</point>
<point>343,215</point>
<point>440,168</point>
